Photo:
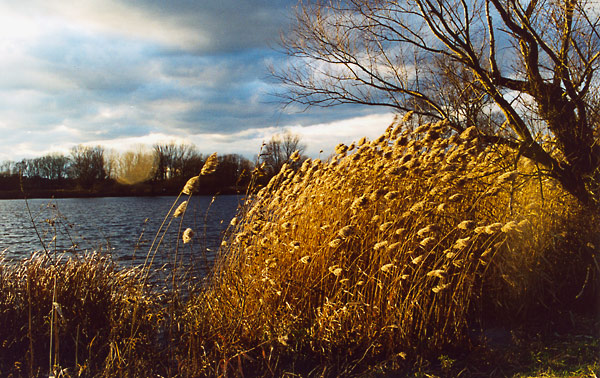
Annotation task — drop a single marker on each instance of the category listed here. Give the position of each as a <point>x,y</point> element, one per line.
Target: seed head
<point>341,149</point>
<point>387,267</point>
<point>466,225</point>
<point>359,203</point>
<point>439,288</point>
<point>417,259</point>
<point>455,197</point>
<point>379,140</point>
<point>210,165</point>
<point>427,242</point>
<point>522,224</point>
<point>428,229</point>
<point>376,194</point>
<point>347,231</point>
<point>493,228</point>
<point>479,230</point>
<point>335,243</point>
<point>462,243</point>
<point>510,227</point>
<point>391,195</point>
<point>295,156</point>
<point>191,185</point>
<point>394,246</point>
<point>417,207</point>
<point>380,245</point>
<point>423,128</point>
<point>439,273</point>
<point>385,226</point>
<point>469,133</point>
<point>180,209</point>
<point>394,171</point>
<point>335,270</point>
<point>506,177</point>
<point>187,235</point>
<point>405,159</point>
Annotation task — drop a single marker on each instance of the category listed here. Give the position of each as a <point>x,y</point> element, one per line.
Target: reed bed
<point>78,312</point>
<point>391,251</point>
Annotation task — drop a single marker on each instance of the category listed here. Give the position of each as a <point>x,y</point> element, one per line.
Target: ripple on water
<point>113,225</point>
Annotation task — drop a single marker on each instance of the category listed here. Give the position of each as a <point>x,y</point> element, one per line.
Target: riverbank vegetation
<point>93,171</point>
<point>421,252</point>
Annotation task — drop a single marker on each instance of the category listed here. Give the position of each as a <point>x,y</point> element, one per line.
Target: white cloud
<point>121,74</point>
<point>317,137</point>
<point>326,136</point>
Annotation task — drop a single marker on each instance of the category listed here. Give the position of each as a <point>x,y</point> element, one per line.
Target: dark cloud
<point>110,69</point>
<point>231,25</point>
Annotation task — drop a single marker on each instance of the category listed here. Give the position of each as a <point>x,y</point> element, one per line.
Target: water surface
<point>123,227</point>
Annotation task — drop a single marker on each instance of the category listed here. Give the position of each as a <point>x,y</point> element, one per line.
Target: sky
<point>122,73</point>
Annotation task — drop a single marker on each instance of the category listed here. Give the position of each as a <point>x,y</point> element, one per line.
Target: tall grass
<point>96,307</point>
<point>390,251</point>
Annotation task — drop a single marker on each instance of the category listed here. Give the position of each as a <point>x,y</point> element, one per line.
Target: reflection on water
<point>123,226</point>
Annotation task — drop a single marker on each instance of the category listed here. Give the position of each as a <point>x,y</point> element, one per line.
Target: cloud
<point>320,139</point>
<point>117,72</point>
<point>208,26</point>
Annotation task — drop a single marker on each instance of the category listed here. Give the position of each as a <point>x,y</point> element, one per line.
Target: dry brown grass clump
<point>387,250</point>
<point>80,313</point>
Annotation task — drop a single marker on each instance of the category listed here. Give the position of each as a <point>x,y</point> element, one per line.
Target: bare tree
<point>52,166</point>
<point>176,160</point>
<point>277,151</point>
<point>87,165</point>
<point>516,70</point>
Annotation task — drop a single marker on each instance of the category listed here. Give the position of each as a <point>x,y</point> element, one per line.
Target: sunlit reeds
<point>386,250</point>
<point>389,251</point>
<point>92,303</point>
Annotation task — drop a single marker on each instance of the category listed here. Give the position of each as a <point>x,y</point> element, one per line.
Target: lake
<point>123,227</point>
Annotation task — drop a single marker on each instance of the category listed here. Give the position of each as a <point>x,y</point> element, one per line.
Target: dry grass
<point>390,250</point>
<point>80,313</point>
<point>393,250</point>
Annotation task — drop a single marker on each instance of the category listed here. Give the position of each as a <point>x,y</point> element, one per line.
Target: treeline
<point>95,171</point>
<point>162,169</point>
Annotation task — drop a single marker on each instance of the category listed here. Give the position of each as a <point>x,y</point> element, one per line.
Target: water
<point>123,227</point>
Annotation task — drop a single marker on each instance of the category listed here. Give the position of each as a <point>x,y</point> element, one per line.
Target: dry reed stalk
<point>343,251</point>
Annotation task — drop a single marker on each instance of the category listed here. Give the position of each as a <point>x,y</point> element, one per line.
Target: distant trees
<point>174,160</point>
<point>52,167</point>
<point>161,169</point>
<point>278,150</point>
<point>87,165</point>
<point>233,171</point>
<point>133,167</point>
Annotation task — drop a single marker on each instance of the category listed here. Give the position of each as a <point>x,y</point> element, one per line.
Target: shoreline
<point>75,193</point>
